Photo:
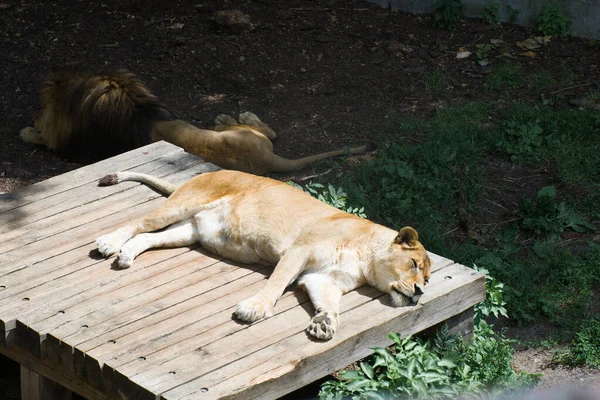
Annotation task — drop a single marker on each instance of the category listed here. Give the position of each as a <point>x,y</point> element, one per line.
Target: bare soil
<point>323,73</point>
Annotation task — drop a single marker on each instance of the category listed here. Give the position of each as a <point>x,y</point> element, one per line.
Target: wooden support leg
<point>461,323</point>
<point>37,387</point>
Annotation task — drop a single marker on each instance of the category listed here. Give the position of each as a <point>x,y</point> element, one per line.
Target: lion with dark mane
<point>103,114</point>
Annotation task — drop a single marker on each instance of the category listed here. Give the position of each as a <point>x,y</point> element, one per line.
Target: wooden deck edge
<point>44,369</point>
<point>305,372</point>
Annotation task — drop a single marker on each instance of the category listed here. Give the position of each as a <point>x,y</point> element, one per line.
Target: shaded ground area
<point>323,74</point>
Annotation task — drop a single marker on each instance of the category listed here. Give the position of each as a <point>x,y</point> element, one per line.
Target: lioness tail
<point>157,183</point>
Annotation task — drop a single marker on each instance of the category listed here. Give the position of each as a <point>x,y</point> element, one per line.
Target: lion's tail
<point>157,183</point>
<point>103,113</point>
<point>280,164</point>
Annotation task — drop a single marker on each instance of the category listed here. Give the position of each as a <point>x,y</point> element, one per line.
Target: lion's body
<point>252,219</point>
<point>108,113</point>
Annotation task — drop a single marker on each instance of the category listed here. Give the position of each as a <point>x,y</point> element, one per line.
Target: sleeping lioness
<point>97,115</point>
<point>252,219</point>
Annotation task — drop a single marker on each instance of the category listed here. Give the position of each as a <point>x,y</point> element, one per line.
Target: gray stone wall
<point>585,14</point>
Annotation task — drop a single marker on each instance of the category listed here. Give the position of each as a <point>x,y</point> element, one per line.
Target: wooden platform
<point>164,328</point>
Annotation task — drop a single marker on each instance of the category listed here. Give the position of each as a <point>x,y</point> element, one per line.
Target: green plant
<point>435,80</point>
<point>584,348</point>
<point>543,216</point>
<point>512,13</point>
<point>505,76</point>
<point>593,96</point>
<point>519,140</point>
<point>553,21</point>
<point>482,50</point>
<point>331,195</point>
<point>490,13</point>
<point>447,14</point>
<point>494,302</point>
<point>554,285</point>
<point>443,368</point>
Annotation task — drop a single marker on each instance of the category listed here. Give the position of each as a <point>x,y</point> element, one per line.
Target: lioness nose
<point>418,290</point>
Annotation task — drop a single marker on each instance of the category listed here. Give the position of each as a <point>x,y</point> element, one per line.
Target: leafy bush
<point>490,13</point>
<point>556,285</point>
<point>553,21</point>
<point>335,197</point>
<point>494,302</point>
<point>519,140</point>
<point>543,216</point>
<point>441,369</point>
<point>585,347</point>
<point>448,14</point>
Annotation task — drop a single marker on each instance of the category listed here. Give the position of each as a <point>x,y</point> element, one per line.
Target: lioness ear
<point>407,235</point>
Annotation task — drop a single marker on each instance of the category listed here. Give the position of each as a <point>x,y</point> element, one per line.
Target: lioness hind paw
<point>249,118</point>
<point>225,120</point>
<point>253,309</point>
<point>321,327</point>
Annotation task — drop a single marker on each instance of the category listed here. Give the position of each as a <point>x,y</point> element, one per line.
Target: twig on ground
<point>158,21</point>
<point>585,104</point>
<point>573,87</point>
<point>450,231</point>
<point>305,178</point>
<point>496,204</point>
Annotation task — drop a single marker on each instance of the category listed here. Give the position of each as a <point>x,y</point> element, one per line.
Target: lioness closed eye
<point>252,219</point>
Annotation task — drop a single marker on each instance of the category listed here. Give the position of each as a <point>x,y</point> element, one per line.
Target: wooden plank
<point>288,301</point>
<point>200,334</point>
<point>22,277</point>
<point>42,249</point>
<point>100,277</point>
<point>81,194</point>
<point>219,350</point>
<point>293,362</point>
<point>45,369</point>
<point>12,201</point>
<point>461,323</point>
<point>115,324</point>
<point>45,219</point>
<point>30,384</point>
<point>37,387</point>
<point>88,363</point>
<point>104,290</point>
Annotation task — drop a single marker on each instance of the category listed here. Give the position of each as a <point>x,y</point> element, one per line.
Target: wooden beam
<point>37,387</point>
<point>31,367</point>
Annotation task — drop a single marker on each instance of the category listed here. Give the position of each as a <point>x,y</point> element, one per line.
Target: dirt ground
<point>323,73</point>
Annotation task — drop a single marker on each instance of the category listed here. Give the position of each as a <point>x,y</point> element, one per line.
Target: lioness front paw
<point>31,135</point>
<point>253,309</point>
<point>124,260</point>
<point>322,326</point>
<point>107,245</point>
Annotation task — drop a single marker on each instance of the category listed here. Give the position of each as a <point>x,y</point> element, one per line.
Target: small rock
<point>395,47</point>
<point>233,20</point>
<point>242,58</point>
<point>413,62</point>
<point>324,38</point>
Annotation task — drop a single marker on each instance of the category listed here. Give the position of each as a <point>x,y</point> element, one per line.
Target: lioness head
<point>404,270</point>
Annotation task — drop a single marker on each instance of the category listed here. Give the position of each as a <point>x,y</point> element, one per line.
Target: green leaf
<point>446,363</point>
<point>351,375</point>
<point>367,369</point>
<point>358,384</point>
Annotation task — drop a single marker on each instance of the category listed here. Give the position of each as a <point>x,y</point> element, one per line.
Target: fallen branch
<point>573,87</point>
